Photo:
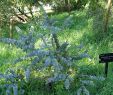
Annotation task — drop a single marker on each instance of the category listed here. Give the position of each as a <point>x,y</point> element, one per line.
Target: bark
<point>10,29</point>
<point>67,5</point>
<point>107,15</point>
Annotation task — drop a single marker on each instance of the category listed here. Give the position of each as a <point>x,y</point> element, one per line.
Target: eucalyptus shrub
<point>51,55</point>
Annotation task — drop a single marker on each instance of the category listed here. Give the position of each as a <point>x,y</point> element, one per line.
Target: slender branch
<point>22,12</point>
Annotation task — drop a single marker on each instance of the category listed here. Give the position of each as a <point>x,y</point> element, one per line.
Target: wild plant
<point>51,55</point>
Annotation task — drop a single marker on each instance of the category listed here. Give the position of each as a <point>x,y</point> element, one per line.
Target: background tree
<point>10,11</point>
<point>109,5</point>
<point>100,11</point>
<point>5,13</point>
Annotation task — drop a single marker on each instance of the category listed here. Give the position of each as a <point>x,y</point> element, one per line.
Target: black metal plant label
<point>106,58</point>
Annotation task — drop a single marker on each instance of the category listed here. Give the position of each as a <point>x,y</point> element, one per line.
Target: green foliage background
<point>85,32</point>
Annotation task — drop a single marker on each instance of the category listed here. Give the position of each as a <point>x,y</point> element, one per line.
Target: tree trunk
<point>107,15</point>
<point>67,5</point>
<point>11,29</point>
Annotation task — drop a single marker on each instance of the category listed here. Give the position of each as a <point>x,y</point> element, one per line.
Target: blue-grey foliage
<point>25,42</point>
<point>50,54</point>
<point>11,79</point>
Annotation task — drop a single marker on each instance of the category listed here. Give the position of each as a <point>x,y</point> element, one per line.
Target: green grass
<point>80,32</point>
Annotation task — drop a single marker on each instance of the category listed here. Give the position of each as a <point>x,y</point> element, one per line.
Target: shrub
<point>51,57</point>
